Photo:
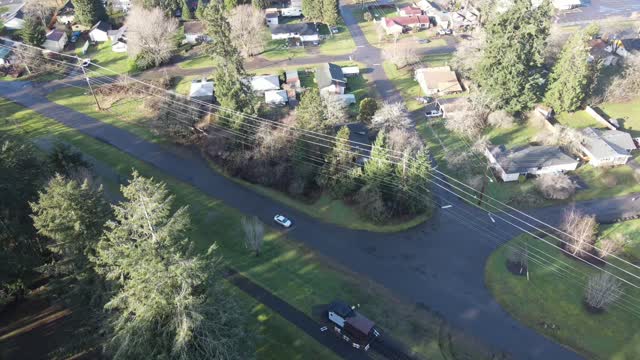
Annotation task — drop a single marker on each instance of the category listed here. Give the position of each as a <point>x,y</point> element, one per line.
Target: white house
<point>291,12</point>
<point>194,32</point>
<point>272,18</point>
<point>265,83</point>
<point>306,32</point>
<point>276,97</point>
<point>55,41</point>
<point>566,4</point>
<point>14,18</point>
<point>118,39</point>
<point>66,14</point>
<point>330,79</point>
<point>100,32</point>
<point>201,90</point>
<point>349,71</point>
<point>534,160</point>
<point>607,147</point>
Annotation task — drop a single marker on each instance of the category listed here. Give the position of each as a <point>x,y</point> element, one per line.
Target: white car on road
<point>280,219</point>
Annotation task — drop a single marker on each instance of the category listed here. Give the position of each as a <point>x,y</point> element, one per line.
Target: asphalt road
<point>439,264</point>
<point>598,10</point>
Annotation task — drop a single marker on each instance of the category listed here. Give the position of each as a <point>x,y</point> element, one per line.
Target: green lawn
<point>103,56</point>
<point>628,112</point>
<point>551,303</point>
<point>286,268</point>
<point>403,80</point>
<point>198,62</point>
<point>605,182</point>
<point>369,27</point>
<point>277,50</point>
<point>579,120</point>
<point>339,44</point>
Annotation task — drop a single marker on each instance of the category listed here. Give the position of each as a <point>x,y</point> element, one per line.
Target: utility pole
<point>84,72</point>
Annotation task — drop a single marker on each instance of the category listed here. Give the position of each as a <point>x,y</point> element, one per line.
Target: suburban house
<point>66,14</point>
<point>292,78</point>
<point>446,107</point>
<point>265,83</point>
<point>626,47</point>
<point>100,32</point>
<point>272,18</point>
<point>400,24</point>
<point>293,8</point>
<point>438,80</point>
<point>607,147</point>
<point>55,41</point>
<point>194,32</point>
<point>601,51</point>
<point>410,11</point>
<point>202,90</point>
<point>330,79</point>
<point>123,5</point>
<point>14,18</point>
<point>118,39</point>
<point>566,4</point>
<point>350,71</point>
<point>5,56</point>
<point>276,97</point>
<point>305,32</point>
<point>529,160</point>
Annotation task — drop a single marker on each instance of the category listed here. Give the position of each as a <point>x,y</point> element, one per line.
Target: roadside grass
<point>277,50</point>
<point>550,302</point>
<point>369,27</point>
<point>285,267</point>
<point>603,182</point>
<point>403,80</point>
<point>103,56</point>
<point>199,62</point>
<point>340,43</point>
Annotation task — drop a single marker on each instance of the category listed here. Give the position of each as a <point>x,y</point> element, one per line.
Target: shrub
<point>501,119</point>
<point>555,186</point>
<point>579,232</point>
<point>602,290</point>
<point>371,204</point>
<point>612,245</point>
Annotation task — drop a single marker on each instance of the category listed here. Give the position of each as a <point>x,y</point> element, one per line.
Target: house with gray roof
<point>330,79</point>
<point>305,32</point>
<point>607,147</point>
<point>202,90</point>
<point>528,160</point>
<point>13,18</point>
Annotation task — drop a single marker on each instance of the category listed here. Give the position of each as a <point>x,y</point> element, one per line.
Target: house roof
<point>117,34</point>
<point>360,323</point>
<point>522,160</point>
<point>440,78</point>
<point>351,70</point>
<point>265,83</point>
<point>340,308</point>
<point>607,143</point>
<point>271,15</point>
<point>201,88</point>
<point>299,28</point>
<point>67,9</point>
<point>4,53</point>
<point>630,44</point>
<point>407,20</point>
<point>452,105</point>
<point>327,73</point>
<point>275,96</point>
<point>193,27</point>
<point>55,35</point>
<point>412,10</point>
<point>292,75</point>
<point>102,26</point>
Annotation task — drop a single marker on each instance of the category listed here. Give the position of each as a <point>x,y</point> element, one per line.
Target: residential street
<point>439,264</point>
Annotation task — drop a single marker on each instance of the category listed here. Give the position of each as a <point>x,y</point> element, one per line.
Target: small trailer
<point>351,325</point>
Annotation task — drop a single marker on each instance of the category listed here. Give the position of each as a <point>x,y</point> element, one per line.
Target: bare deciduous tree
<point>404,141</point>
<point>336,109</point>
<point>391,116</point>
<point>555,186</point>
<point>602,290</point>
<point>579,232</point>
<point>467,122</point>
<point>612,245</point>
<point>625,86</point>
<point>568,138</point>
<point>501,119</point>
<point>468,53</point>
<point>401,54</point>
<point>253,233</point>
<point>247,28</point>
<point>151,36</point>
<point>39,9</point>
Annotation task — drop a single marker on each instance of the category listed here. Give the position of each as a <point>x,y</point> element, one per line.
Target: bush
<point>602,290</point>
<point>501,119</point>
<point>612,245</point>
<point>371,204</point>
<point>555,186</point>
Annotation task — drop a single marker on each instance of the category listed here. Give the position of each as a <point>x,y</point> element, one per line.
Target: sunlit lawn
<point>103,56</point>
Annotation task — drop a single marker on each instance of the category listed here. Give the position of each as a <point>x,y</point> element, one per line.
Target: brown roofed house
<point>438,80</point>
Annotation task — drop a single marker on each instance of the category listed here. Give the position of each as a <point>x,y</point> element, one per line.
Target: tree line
<point>127,269</point>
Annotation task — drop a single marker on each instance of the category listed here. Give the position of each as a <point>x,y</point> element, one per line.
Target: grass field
<point>285,267</point>
<point>103,56</point>
<point>551,300</point>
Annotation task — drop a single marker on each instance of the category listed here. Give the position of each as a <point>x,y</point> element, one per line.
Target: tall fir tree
<point>89,12</point>
<point>336,174</point>
<point>573,73</point>
<point>72,216</point>
<point>510,69</point>
<point>312,9</point>
<point>33,33</point>
<point>186,11</point>
<point>378,169</point>
<point>200,10</point>
<point>168,6</point>
<point>330,15</point>
<point>167,303</point>
<point>412,176</point>
<point>311,112</point>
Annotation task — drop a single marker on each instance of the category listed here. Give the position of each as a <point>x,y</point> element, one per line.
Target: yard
<point>285,267</point>
<point>551,300</point>
<point>337,44</point>
<point>103,56</point>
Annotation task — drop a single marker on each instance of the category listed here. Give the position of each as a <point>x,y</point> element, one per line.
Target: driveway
<point>439,265</point>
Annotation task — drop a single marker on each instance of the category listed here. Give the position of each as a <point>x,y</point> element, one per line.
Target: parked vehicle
<point>283,221</point>
<point>445,32</point>
<point>353,326</point>
<point>86,62</point>
<point>334,29</point>
<point>433,113</point>
<point>423,41</point>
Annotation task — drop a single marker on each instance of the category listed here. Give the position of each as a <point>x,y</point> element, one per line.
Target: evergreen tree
<point>510,70</point>
<point>330,14</point>
<point>89,12</point>
<point>336,175</point>
<point>312,9</point>
<point>378,169</point>
<point>572,73</point>
<point>64,161</point>
<point>186,11</point>
<point>368,107</point>
<point>230,4</point>
<point>200,10</point>
<point>412,174</point>
<point>260,4</point>
<point>168,6</point>
<point>72,216</point>
<point>167,303</point>
<point>311,112</point>
<point>33,32</point>
<point>218,28</point>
